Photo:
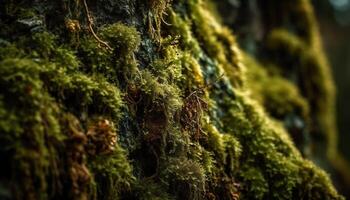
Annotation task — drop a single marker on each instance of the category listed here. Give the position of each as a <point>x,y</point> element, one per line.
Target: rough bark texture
<point>155,99</point>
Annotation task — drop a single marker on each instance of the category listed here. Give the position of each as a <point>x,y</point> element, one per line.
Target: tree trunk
<point>160,99</point>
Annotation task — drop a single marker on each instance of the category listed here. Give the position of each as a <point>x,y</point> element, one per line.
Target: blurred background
<point>333,17</point>
<point>334,21</point>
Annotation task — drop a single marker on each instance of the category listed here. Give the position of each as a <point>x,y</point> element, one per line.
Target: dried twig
<point>90,24</point>
<point>193,108</point>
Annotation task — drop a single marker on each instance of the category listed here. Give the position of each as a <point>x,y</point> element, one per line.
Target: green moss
<point>160,93</point>
<point>185,178</point>
<point>233,151</point>
<point>9,50</point>
<point>317,87</point>
<point>266,144</point>
<point>182,28</point>
<point>255,179</point>
<point>96,58</point>
<point>169,68</point>
<point>112,174</point>
<point>124,39</point>
<point>157,9</point>
<point>282,100</point>
<point>39,165</point>
<point>30,116</point>
<point>279,96</point>
<point>120,62</point>
<point>216,143</point>
<point>217,41</point>
<point>148,190</point>
<point>226,148</point>
<point>197,133</point>
<point>311,179</point>
<point>87,95</point>
<point>44,44</point>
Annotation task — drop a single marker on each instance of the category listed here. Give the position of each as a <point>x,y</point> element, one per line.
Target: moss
<point>282,100</point>
<point>317,88</point>
<point>28,126</point>
<point>273,152</point>
<point>316,85</point>
<point>120,62</point>
<point>148,190</point>
<point>192,70</point>
<point>185,178</point>
<point>226,149</point>
<point>264,143</point>
<point>279,96</point>
<point>39,163</point>
<point>169,68</point>
<point>310,179</point>
<point>157,8</point>
<point>9,50</point>
<point>216,143</point>
<point>44,44</point>
<point>182,28</point>
<point>196,131</point>
<point>125,40</point>
<point>112,173</point>
<point>233,151</point>
<point>87,95</point>
<point>96,59</point>
<point>256,181</point>
<point>160,93</point>
<point>218,42</point>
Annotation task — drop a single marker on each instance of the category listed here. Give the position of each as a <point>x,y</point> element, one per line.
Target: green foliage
<point>219,42</point>
<point>233,152</point>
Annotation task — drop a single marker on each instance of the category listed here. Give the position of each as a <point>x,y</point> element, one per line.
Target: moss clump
<point>274,154</point>
<point>317,88</point>
<point>281,99</point>
<point>112,173</point>
<point>116,63</point>
<point>95,58</point>
<point>185,178</point>
<point>157,8</point>
<point>86,95</point>
<point>148,190</point>
<point>124,39</point>
<point>218,41</point>
<point>44,90</point>
<point>278,96</point>
<point>29,115</point>
<point>254,177</point>
<point>225,148</point>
